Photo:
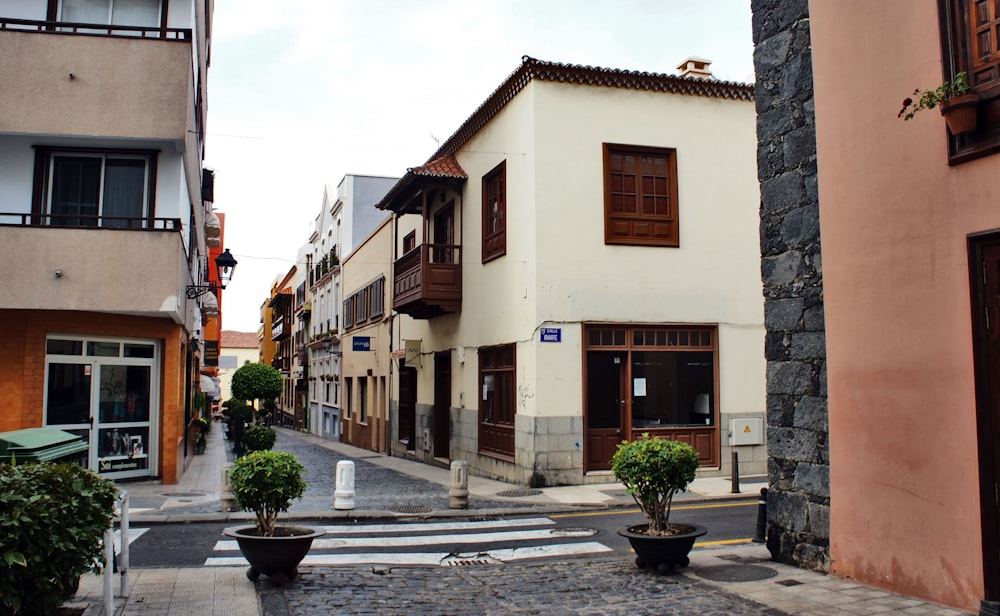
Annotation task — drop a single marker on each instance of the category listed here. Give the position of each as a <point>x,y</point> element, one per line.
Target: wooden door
<point>984,266</point>
<point>606,407</point>
<point>442,405</point>
<point>407,428</point>
<point>444,235</point>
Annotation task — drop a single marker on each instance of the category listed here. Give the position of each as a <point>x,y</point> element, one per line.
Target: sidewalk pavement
<point>224,591</point>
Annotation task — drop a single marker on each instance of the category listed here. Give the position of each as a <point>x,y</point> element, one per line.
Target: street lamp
<point>226,264</point>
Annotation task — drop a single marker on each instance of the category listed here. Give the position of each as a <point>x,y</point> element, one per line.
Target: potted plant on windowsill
<point>653,471</point>
<point>958,106</point>
<point>266,482</point>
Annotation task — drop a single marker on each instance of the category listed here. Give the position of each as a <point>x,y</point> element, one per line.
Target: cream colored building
<point>237,348</point>
<point>581,264</point>
<point>365,341</point>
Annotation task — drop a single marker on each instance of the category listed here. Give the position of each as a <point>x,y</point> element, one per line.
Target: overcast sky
<point>302,92</point>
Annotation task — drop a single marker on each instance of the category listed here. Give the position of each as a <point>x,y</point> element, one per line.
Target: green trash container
<point>41,445</point>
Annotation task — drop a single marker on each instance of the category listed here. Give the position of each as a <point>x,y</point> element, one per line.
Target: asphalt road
<point>198,544</point>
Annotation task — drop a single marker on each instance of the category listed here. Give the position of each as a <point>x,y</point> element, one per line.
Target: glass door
<point>122,423</point>
<point>104,391</point>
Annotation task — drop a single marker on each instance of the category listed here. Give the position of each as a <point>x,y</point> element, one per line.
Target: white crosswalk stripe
<point>346,545</point>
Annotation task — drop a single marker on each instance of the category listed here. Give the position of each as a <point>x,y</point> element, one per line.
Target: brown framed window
<point>497,405</point>
<point>367,304</point>
<point>970,41</point>
<point>409,241</point>
<point>640,196</point>
<point>495,213</point>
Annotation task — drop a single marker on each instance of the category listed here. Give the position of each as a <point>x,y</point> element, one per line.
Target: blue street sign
<point>361,343</point>
<point>551,334</point>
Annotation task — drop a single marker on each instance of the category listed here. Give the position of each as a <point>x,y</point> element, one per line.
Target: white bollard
<point>227,501</point>
<point>125,539</point>
<point>108,575</point>
<point>343,495</point>
<point>458,493</point>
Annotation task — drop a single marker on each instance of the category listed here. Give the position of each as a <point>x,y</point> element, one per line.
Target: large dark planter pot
<point>277,557</point>
<point>662,553</point>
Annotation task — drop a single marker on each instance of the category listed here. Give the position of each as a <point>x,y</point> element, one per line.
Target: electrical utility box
<point>746,431</point>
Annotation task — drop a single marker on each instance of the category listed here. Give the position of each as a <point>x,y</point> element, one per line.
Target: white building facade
<point>580,261</point>
<point>347,215</point>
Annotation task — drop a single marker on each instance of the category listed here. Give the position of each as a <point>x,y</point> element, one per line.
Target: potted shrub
<point>54,516</point>
<point>266,482</point>
<point>958,106</point>
<point>200,427</point>
<point>653,471</point>
<point>256,382</point>
<point>259,438</point>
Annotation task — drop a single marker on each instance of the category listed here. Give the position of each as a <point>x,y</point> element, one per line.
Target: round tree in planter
<point>259,438</point>
<point>256,382</point>
<point>653,470</point>
<point>266,482</point>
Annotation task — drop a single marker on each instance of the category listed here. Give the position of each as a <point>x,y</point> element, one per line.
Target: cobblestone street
<point>590,587</point>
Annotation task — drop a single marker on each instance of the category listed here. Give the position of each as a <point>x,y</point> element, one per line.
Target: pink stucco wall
<point>894,220</point>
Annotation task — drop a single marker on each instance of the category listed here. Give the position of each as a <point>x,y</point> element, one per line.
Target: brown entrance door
<point>984,265</point>
<point>442,405</point>
<point>407,428</point>
<point>606,401</point>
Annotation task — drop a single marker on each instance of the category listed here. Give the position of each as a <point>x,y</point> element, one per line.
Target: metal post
<point>736,473</point>
<point>108,575</point>
<point>759,535</point>
<point>343,495</point>
<point>123,564</point>
<point>458,493</point>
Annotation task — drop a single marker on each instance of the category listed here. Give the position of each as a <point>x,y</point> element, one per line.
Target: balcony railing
<point>66,27</point>
<point>281,329</point>
<point>428,281</point>
<point>76,221</point>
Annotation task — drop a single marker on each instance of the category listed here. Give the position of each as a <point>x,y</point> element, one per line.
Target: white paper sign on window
<point>639,387</point>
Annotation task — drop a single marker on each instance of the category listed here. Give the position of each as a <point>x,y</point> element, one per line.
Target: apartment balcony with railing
<point>93,263</point>
<point>63,78</point>
<point>428,281</point>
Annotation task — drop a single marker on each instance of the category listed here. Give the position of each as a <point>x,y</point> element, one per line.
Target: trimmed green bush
<point>52,518</point>
<point>653,470</point>
<point>266,482</point>
<point>256,382</point>
<point>259,438</point>
<point>237,410</point>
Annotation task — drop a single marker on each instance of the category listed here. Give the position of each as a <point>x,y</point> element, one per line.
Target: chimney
<point>695,67</point>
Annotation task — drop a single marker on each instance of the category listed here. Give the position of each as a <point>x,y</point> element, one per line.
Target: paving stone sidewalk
<point>587,587</point>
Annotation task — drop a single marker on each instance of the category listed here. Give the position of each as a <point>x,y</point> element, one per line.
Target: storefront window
<point>671,388</point>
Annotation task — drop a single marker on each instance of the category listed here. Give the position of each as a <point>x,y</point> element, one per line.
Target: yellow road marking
<point>723,542</point>
<point>679,508</point>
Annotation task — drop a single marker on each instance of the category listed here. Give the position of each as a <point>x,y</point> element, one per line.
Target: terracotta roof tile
<point>442,167</point>
<point>239,340</point>
<point>591,76</point>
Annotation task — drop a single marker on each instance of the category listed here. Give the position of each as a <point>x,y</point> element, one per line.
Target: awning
<point>39,445</point>
<point>210,386</point>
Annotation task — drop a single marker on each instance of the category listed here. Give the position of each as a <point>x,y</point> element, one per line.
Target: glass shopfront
<point>105,390</point>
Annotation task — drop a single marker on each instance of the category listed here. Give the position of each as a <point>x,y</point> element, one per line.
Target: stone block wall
<point>798,507</point>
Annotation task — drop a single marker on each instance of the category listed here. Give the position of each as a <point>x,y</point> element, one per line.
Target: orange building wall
<point>22,370</point>
<point>894,219</point>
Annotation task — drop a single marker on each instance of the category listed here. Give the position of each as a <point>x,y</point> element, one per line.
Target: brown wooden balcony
<point>428,281</point>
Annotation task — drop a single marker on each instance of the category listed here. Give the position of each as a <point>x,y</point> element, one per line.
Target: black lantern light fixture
<point>226,264</point>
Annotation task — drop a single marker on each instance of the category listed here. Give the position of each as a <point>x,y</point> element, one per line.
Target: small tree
<point>653,470</point>
<point>256,382</point>
<point>266,482</point>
